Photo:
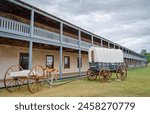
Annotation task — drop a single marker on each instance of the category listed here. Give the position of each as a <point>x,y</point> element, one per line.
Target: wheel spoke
<point>21,84</point>
<point>34,76</point>
<point>19,80</point>
<point>10,83</point>
<point>32,85</point>
<point>121,72</point>
<point>14,82</point>
<point>105,74</point>
<point>91,75</point>
<point>18,84</point>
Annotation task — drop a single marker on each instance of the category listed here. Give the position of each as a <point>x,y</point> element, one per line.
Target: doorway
<point>24,60</point>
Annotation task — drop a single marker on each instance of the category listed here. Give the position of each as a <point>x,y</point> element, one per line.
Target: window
<point>78,62</point>
<point>66,62</point>
<point>50,61</point>
<point>24,60</point>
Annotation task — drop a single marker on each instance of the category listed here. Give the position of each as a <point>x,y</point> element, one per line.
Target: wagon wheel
<point>121,72</point>
<point>35,76</point>
<point>12,83</point>
<point>105,74</point>
<point>91,75</point>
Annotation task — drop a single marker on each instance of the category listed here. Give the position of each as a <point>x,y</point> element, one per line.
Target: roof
<point>105,55</point>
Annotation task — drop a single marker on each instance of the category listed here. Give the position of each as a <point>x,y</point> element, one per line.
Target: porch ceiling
<point>70,50</point>
<point>21,43</point>
<point>45,46</point>
<point>69,29</point>
<point>13,42</point>
<point>73,51</point>
<point>46,21</point>
<point>8,7</point>
<point>85,36</point>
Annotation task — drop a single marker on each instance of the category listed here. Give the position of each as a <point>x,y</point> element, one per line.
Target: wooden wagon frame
<point>103,62</point>
<point>15,77</point>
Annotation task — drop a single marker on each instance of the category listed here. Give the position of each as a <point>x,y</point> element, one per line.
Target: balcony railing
<point>70,40</point>
<point>41,33</point>
<point>129,56</point>
<point>11,26</point>
<point>125,55</point>
<point>85,44</point>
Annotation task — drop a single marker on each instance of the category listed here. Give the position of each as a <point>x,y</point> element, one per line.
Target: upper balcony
<point>14,27</point>
<point>18,28</point>
<point>15,20</point>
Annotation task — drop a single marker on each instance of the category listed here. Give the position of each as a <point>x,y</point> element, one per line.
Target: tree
<point>143,52</point>
<point>148,57</point>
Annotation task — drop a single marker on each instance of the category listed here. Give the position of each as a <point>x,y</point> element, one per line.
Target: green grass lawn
<point>136,84</point>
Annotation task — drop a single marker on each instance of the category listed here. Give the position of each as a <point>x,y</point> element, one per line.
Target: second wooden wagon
<point>103,62</point>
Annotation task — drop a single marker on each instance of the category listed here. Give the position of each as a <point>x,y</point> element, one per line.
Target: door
<point>24,60</point>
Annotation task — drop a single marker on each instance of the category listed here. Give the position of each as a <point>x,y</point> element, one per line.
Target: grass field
<point>136,84</point>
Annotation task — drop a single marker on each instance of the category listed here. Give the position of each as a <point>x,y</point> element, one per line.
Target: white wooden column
<point>101,42</point>
<point>31,35</point>
<point>108,45</point>
<point>92,40</point>
<point>79,35</point>
<point>61,50</point>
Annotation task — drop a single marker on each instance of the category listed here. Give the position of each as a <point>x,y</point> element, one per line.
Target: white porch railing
<point>125,55</point>
<point>85,44</point>
<point>70,40</point>
<point>11,26</point>
<point>41,33</point>
<point>129,56</point>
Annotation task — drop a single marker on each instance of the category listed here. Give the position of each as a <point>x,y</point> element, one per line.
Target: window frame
<point>52,61</point>
<point>68,64</point>
<point>78,62</point>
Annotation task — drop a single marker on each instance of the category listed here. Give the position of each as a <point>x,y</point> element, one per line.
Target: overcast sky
<point>126,22</point>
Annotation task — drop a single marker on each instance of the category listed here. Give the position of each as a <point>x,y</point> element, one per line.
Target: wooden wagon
<point>103,62</point>
<point>15,77</point>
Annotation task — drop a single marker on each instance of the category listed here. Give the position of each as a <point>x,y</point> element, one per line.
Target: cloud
<point>126,22</point>
<point>140,43</point>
